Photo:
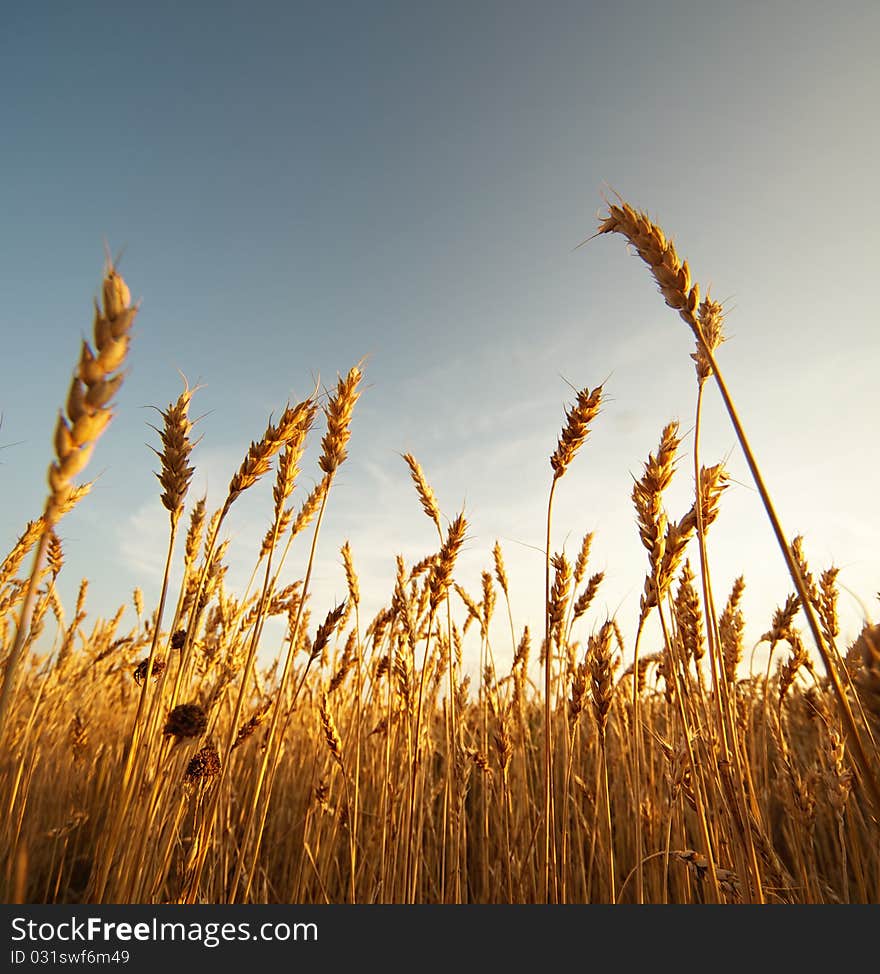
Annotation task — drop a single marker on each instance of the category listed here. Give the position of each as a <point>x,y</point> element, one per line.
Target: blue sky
<point>297,186</point>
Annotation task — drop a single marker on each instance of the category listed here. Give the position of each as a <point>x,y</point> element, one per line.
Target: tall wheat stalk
<point>674,280</point>
<point>573,436</point>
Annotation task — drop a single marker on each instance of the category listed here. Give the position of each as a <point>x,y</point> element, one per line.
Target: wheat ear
<point>96,380</point>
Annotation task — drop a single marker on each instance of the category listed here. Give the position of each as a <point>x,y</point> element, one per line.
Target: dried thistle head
<point>140,671</point>
<point>203,766</point>
<point>186,720</point>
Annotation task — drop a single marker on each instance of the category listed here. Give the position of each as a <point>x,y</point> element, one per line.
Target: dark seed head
<point>140,671</point>
<point>205,764</point>
<point>186,720</point>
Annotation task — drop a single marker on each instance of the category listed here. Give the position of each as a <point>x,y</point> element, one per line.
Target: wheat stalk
<point>682,294</point>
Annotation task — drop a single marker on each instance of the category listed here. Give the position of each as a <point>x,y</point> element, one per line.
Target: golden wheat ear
<point>88,410</point>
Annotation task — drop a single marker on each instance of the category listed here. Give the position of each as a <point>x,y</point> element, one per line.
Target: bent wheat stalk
<point>674,280</point>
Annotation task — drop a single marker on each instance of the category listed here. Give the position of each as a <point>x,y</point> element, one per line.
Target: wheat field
<point>177,761</point>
